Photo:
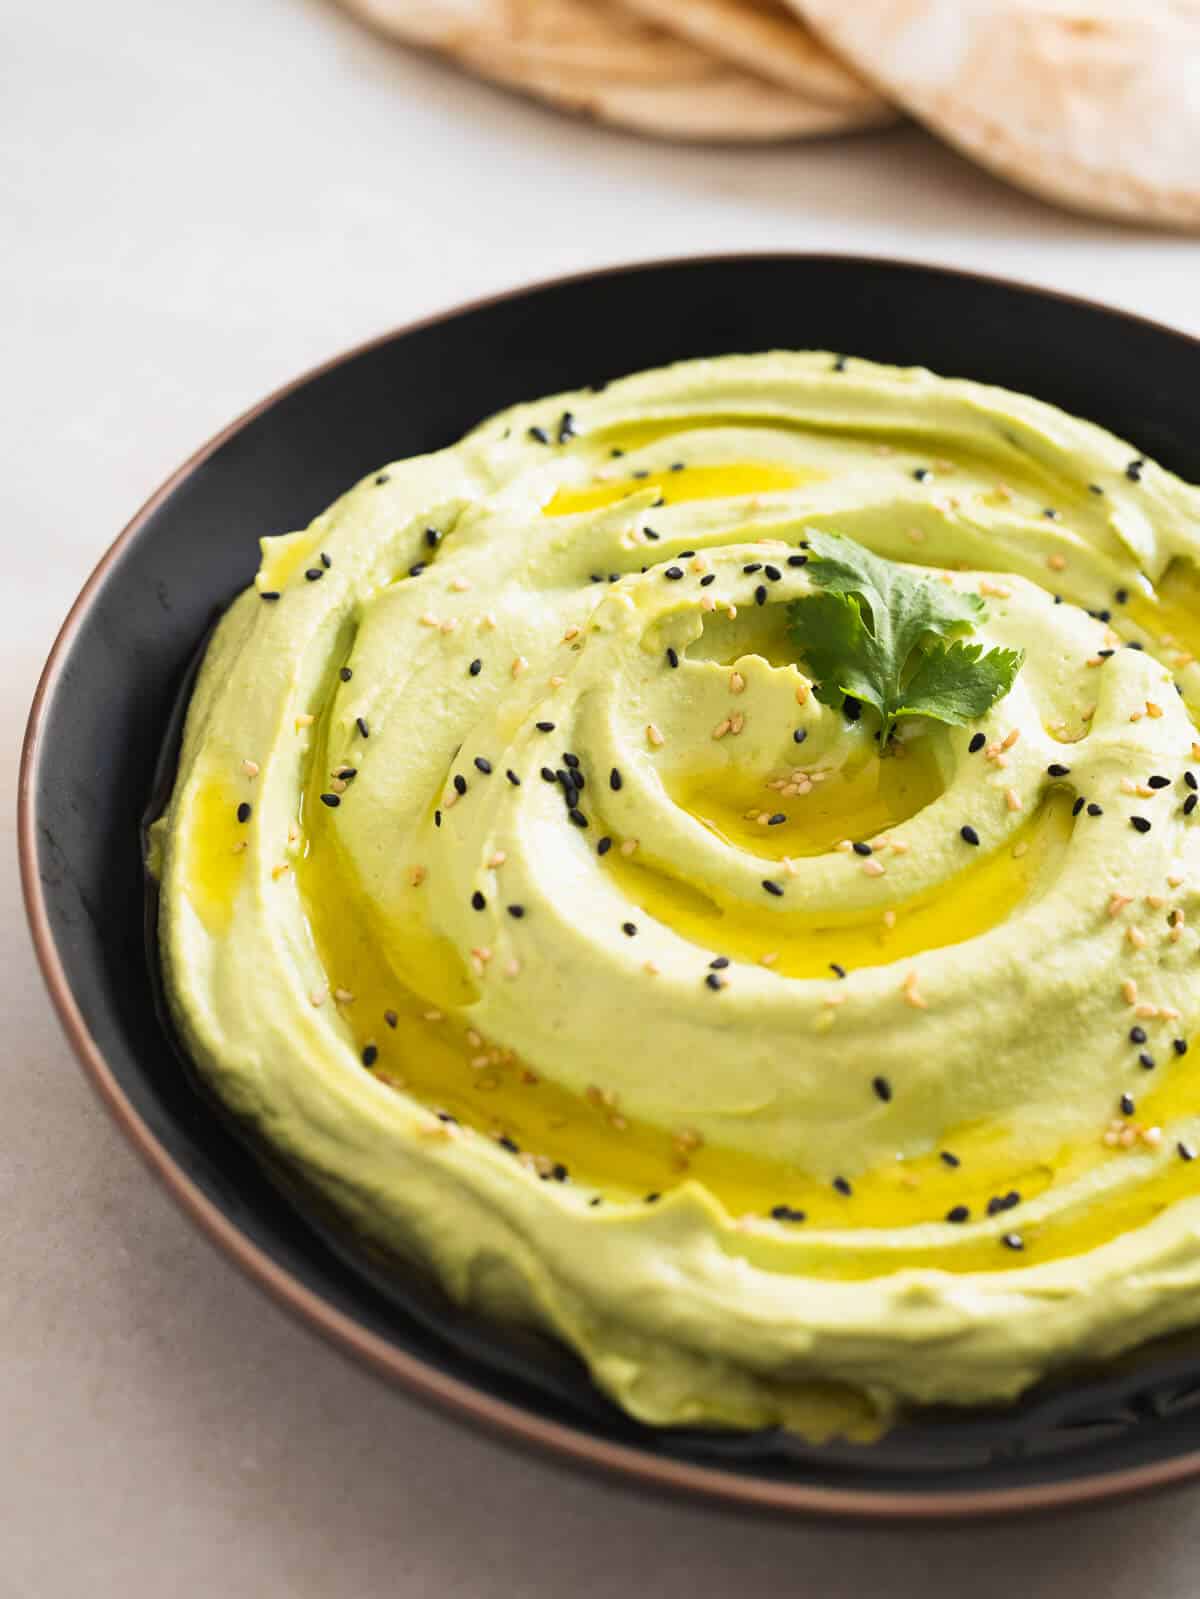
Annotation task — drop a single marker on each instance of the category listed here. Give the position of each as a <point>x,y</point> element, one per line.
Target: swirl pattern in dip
<point>520,892</point>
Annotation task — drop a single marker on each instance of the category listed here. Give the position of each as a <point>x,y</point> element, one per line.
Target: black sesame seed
<point>799,735</point>
<point>559,1172</point>
<point>361,723</point>
<point>325,561</point>
<point>539,435</point>
<point>477,901</point>
<point>883,1089</point>
<point>629,929</point>
<point>922,474</point>
<point>370,1055</point>
<point>432,537</point>
<point>1137,1035</point>
<point>312,573</point>
<point>603,845</point>
<point>475,667</point>
<point>570,759</point>
<point>719,963</point>
<point>797,560</point>
<point>1189,804</point>
<point>1051,513</point>
<point>968,834</point>
<point>437,818</point>
<point>547,775</point>
<point>838,971</point>
<point>709,577</point>
<point>772,574</point>
<point>772,887</point>
<point>1146,1061</point>
<point>566,427</point>
<point>1095,488</point>
<point>616,454</point>
<point>1078,806</point>
<point>332,800</point>
<point>445,1116</point>
<point>1127,1105</point>
<point>614,577</point>
<point>652,1199</point>
<point>268,594</point>
<point>1140,823</point>
<point>787,1213</point>
<point>382,478</point>
<point>839,364</point>
<point>713,981</point>
<point>417,569</point>
<point>1104,654</point>
<point>1094,809</point>
<point>345,674</point>
<point>1058,770</point>
<point>642,472</point>
<point>1013,1241</point>
<point>862,849</point>
<point>390,1017</point>
<point>1158,782</point>
<point>516,910</point>
<point>675,466</point>
<point>842,1184</point>
<point>482,764</point>
<point>673,573</point>
<point>978,740</point>
<point>774,821</point>
<point>651,534</point>
<point>1186,1152</point>
<point>243,811</point>
<point>510,1144</point>
<point>460,783</point>
<point>752,567</point>
<point>1190,779</point>
<point>1121,596</point>
<point>512,777</point>
<point>577,816</point>
<point>949,1159</point>
<point>958,1213</point>
<point>1179,1045</point>
<point>1134,470</point>
<point>760,594</point>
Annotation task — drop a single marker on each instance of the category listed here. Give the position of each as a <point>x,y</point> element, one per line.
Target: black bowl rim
<point>514,1423</point>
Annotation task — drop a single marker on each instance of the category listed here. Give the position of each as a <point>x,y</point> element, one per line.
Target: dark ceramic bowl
<point>103,715</point>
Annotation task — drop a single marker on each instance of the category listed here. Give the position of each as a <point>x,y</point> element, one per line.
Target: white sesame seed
<point>654,735</point>
<point>251,768</point>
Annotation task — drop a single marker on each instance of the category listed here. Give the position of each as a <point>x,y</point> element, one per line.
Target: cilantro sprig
<point>895,639</point>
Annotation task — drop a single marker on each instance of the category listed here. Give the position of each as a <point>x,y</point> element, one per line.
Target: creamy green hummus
<point>520,892</point>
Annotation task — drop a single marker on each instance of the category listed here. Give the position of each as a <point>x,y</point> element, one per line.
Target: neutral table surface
<point>199,199</point>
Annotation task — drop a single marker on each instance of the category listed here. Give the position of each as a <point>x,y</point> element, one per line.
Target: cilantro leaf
<point>892,638</point>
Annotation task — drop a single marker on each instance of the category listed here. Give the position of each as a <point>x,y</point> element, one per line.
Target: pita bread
<point>1093,103</point>
<point>764,37</point>
<point>597,58</point>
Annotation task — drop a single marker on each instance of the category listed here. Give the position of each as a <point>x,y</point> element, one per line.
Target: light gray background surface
<point>198,199</point>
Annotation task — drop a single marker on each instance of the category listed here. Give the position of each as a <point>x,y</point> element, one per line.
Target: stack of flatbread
<point>1091,103</point>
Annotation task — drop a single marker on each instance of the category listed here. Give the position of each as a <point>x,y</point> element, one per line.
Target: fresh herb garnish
<point>893,638</point>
